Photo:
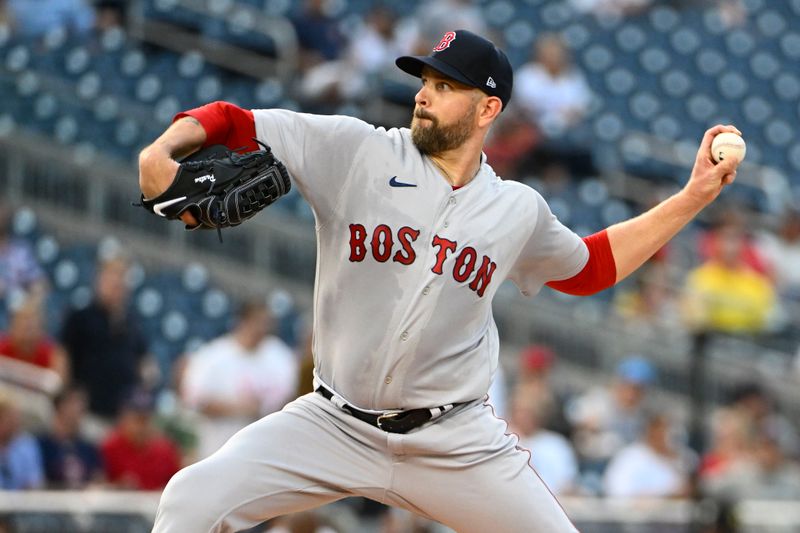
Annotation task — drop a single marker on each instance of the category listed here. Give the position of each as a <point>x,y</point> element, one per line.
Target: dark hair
<point>747,390</point>
<point>251,307</point>
<point>64,394</point>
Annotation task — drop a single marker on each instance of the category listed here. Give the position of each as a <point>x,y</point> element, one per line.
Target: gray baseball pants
<point>462,470</point>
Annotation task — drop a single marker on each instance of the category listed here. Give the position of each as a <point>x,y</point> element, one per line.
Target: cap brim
<point>414,64</point>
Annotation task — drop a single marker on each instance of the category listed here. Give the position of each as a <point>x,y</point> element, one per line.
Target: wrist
<point>157,170</point>
<point>689,202</point>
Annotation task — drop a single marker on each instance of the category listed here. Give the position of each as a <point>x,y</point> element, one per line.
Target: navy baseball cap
<point>469,59</point>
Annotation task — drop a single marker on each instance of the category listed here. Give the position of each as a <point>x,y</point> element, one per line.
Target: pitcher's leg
<point>296,459</point>
<point>466,473</point>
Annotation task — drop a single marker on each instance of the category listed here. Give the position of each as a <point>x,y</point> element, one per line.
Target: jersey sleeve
<point>552,252</point>
<point>318,150</point>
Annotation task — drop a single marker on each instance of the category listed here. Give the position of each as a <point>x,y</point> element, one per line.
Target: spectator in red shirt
<point>135,454</point>
<point>27,340</point>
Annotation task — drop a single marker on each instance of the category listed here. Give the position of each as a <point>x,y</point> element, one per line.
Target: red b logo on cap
<point>445,42</point>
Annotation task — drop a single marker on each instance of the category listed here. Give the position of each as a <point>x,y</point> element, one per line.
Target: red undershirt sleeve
<point>226,124</point>
<point>599,273</point>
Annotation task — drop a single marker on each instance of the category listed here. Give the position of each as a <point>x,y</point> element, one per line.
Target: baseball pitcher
<point>415,234</point>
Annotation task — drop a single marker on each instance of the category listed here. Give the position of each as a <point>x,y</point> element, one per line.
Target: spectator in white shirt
<point>239,377</point>
<point>552,455</point>
<point>549,89</point>
<point>654,467</point>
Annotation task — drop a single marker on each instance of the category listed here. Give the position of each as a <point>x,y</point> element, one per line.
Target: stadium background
<point>84,91</point>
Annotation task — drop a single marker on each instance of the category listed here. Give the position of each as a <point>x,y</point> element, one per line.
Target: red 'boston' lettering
<point>406,236</point>
<point>358,234</point>
<point>484,276</point>
<point>465,264</point>
<point>445,246</point>
<point>382,247</point>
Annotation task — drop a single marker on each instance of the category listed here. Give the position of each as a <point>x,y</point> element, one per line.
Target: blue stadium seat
<point>620,81</point>
<point>148,88</point>
<point>685,41</point>
<point>194,277</point>
<point>174,327</point>
<point>664,19</point>
<point>631,38</point>
<point>757,110</point>
<point>267,93</point>
<point>770,23</point>
<point>790,46</point>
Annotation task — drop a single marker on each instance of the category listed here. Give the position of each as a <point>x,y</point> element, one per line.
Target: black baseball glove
<point>222,188</point>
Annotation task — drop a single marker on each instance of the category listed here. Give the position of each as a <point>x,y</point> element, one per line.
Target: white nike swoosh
<point>161,205</point>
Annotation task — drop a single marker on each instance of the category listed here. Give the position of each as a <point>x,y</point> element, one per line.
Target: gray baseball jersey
<point>407,266</point>
<point>406,271</point>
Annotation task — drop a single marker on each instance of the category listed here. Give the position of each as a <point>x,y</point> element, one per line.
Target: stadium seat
<point>685,41</point>
<point>631,38</point>
<point>620,81</point>
<point>194,277</point>
<point>174,327</point>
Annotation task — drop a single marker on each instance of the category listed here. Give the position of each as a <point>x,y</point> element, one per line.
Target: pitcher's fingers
<point>189,219</point>
<point>704,152</point>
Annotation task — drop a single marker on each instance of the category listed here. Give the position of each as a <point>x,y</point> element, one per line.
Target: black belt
<point>392,422</point>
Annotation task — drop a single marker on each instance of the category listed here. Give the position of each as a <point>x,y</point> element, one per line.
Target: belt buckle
<point>385,416</point>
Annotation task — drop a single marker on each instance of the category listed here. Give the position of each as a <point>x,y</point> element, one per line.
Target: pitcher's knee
<point>185,505</point>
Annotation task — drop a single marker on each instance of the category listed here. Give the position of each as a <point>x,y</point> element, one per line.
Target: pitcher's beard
<point>434,138</point>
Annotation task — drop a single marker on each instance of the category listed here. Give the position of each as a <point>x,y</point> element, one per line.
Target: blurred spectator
<point>647,310</point>
<point>239,377</point>
<point>552,455</point>
<point>732,13</point>
<point>19,270</point>
<point>20,459</point>
<point>510,141</point>
<point>756,404</point>
<point>549,89</point>
<point>303,522</point>
<point>135,454</point>
<point>750,253</point>
<point>108,353</point>
<point>534,381</point>
<point>654,467</point>
<point>35,18</point>
<point>110,14</point>
<point>318,34</point>
<point>370,50</point>
<point>554,96</point>
<point>375,44</point>
<point>781,251</point>
<point>607,419</point>
<point>70,461</point>
<point>731,443</point>
<point>28,342</point>
<point>651,304</point>
<point>767,474</point>
<point>401,521</point>
<point>725,294</point>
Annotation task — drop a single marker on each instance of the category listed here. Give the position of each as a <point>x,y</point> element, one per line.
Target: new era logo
<point>490,82</point>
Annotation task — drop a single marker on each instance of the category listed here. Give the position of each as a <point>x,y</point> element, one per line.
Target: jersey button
<point>426,290</point>
<point>446,224</point>
<point>404,336</point>
<point>388,380</point>
<point>452,200</point>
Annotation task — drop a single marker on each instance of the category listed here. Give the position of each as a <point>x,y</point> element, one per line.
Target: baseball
<point>728,145</point>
